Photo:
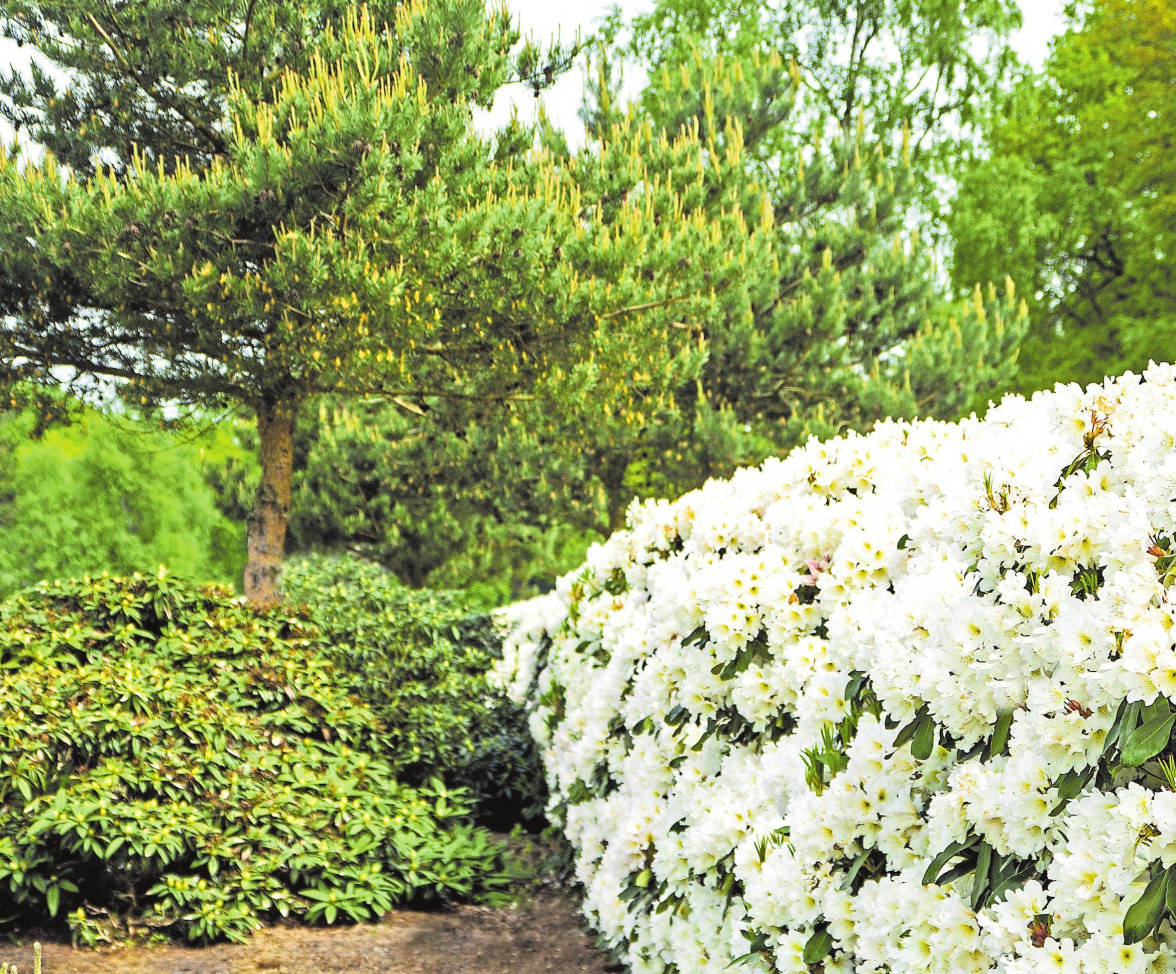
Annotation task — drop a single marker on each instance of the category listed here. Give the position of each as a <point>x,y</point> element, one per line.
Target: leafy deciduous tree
<point>1074,193</point>
<point>100,495</point>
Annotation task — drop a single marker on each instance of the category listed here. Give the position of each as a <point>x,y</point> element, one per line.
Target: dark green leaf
<point>854,869</point>
<point>1147,740</point>
<point>1156,710</point>
<point>818,947</point>
<point>980,883</point>
<point>1000,734</point>
<point>931,875</point>
<point>1144,914</point>
<point>908,731</point>
<point>923,742</point>
<point>857,679</point>
<point>1124,724</point>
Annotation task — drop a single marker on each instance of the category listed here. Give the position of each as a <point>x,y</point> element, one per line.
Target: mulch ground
<point>545,934</point>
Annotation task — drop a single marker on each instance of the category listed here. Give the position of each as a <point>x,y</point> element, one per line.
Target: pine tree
<point>849,325</point>
<point>264,202</point>
<point>853,324</point>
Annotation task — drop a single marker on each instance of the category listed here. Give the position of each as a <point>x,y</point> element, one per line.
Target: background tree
<point>1074,193</point>
<point>491,508</point>
<point>315,213</point>
<point>923,66</point>
<point>851,324</point>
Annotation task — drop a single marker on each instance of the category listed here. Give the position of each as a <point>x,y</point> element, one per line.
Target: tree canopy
<point>296,203</point>
<point>1074,193</point>
<point>920,65</point>
<point>853,323</point>
<point>111,494</point>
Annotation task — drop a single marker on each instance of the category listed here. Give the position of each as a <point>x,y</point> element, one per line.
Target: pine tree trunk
<point>612,477</point>
<point>271,504</point>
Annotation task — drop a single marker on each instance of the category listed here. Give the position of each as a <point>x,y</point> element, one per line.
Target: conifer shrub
<point>174,758</point>
<point>421,660</point>
<point>895,703</point>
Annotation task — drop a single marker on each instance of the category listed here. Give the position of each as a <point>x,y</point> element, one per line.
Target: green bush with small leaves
<point>421,659</point>
<point>171,754</point>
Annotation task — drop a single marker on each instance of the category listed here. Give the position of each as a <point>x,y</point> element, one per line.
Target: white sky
<point>547,18</point>
<point>544,18</point>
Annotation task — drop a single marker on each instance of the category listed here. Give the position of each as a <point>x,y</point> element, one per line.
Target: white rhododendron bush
<point>898,702</point>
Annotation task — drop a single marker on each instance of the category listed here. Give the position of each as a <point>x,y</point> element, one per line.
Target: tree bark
<point>612,478</point>
<point>266,524</point>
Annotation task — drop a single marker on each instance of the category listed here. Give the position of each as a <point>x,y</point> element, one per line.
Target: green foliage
<point>112,494</point>
<point>920,66</point>
<point>171,753</point>
<point>851,323</point>
<point>421,661</point>
<point>842,324</point>
<point>1074,195</point>
<point>481,508</point>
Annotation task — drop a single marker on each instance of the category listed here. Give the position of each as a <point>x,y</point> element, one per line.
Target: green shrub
<point>420,658</point>
<point>172,754</point>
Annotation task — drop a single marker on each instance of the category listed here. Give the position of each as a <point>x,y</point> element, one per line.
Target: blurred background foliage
<point>92,493</point>
<point>1071,190</point>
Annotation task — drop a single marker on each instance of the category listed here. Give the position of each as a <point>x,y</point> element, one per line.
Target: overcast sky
<point>1043,19</point>
<point>547,18</point>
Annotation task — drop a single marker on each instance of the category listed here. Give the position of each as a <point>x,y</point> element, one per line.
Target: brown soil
<point>546,934</point>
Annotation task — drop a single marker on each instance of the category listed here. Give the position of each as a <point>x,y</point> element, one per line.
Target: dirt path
<point>545,935</point>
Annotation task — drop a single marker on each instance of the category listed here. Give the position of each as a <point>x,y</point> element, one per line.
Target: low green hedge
<point>420,659</point>
<point>169,753</point>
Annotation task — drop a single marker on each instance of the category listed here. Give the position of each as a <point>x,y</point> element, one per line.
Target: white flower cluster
<point>895,703</point>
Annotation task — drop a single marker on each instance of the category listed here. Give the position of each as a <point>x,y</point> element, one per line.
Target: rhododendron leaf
<point>1156,710</point>
<point>819,946</point>
<point>924,739</point>
<point>1147,740</point>
<point>980,883</point>
<point>1000,734</point>
<point>1070,785</point>
<point>958,871</point>
<point>1170,891</point>
<point>941,860</point>
<point>1017,879</point>
<point>908,731</point>
<point>857,679</point>
<point>854,869</point>
<point>1124,724</point>
<point>1144,915</point>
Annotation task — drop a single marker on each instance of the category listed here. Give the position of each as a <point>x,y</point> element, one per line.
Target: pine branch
<point>148,89</point>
